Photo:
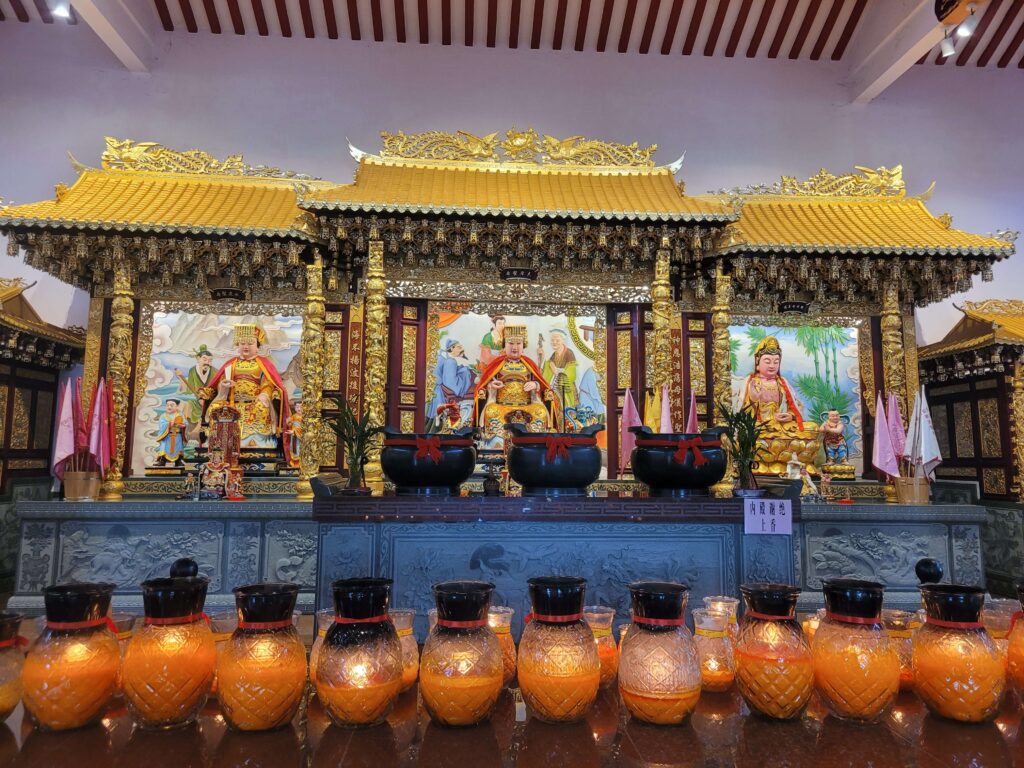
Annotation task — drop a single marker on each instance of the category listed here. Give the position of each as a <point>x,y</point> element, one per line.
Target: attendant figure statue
<point>768,394</point>
<point>454,374</point>
<point>513,389</point>
<point>293,433</point>
<point>493,342</point>
<point>560,368</point>
<point>251,384</point>
<point>833,433</point>
<point>171,435</point>
<point>193,407</point>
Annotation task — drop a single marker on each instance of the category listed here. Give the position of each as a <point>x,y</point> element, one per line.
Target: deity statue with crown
<point>770,398</point>
<point>512,389</point>
<point>251,384</point>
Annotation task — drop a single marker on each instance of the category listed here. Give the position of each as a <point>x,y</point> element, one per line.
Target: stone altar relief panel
<point>608,555</point>
<point>129,553</point>
<point>872,552</point>
<point>291,553</point>
<point>37,557</point>
<point>346,551</point>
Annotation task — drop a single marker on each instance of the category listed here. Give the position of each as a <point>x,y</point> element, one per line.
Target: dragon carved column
<point>375,340</point>
<point>721,367</point>
<point>662,309</point>
<point>893,352</point>
<point>1017,424</point>
<point>312,377</point>
<point>119,367</point>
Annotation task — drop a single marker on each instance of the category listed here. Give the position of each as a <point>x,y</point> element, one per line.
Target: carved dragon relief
<point>129,155</point>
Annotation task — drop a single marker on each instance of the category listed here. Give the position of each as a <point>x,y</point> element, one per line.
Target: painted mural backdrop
<point>183,343</point>
<point>561,346</point>
<point>821,366</point>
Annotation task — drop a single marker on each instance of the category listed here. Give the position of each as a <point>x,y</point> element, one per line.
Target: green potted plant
<point>743,442</point>
<point>356,436</point>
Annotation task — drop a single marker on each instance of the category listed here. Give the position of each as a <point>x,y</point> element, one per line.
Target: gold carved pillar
<point>119,367</point>
<point>721,367</point>
<point>893,352</point>
<point>375,338</point>
<point>312,377</point>
<point>662,309</point>
<point>1017,425</point>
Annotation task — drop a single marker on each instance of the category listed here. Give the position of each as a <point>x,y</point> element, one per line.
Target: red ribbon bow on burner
<point>557,445</point>
<point>429,446</point>
<point>693,444</point>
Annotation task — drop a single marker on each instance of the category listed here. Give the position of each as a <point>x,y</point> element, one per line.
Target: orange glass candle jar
<point>499,619</point>
<point>12,659</point>
<point>461,671</point>
<point>359,667</point>
<point>261,669</point>
<point>856,667</point>
<point>1015,646</point>
<point>997,617</point>
<point>403,618</point>
<point>599,618</point>
<point>324,621</point>
<point>659,669</point>
<point>70,673</point>
<point>774,667</point>
<point>714,648</point>
<point>728,605</point>
<point>958,671</point>
<point>559,670</point>
<point>170,662</point>
<point>900,627</point>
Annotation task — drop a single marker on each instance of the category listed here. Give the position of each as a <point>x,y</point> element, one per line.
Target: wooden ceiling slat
<point>161,10</point>
<point>353,20</point>
<point>670,31</point>
<point>805,29</point>
<point>780,33</point>
<point>2,17</point>
<point>400,21</point>
<point>691,33</point>
<point>979,33</point>
<point>188,15</point>
<point>210,7</point>
<point>652,20</point>
<point>997,37</point>
<point>237,22</point>
<point>44,11</point>
<point>759,30</point>
<point>446,22</point>
<point>19,11</point>
<point>826,30</point>
<point>423,19</point>
<point>581,25</point>
<point>737,28</point>
<point>538,23</point>
<point>513,23</point>
<point>261,18</point>
<point>330,19</point>
<point>492,23</point>
<point>627,26</point>
<point>606,23</point>
<point>470,6</point>
<point>1011,50</point>
<point>378,21</point>
<point>308,29</point>
<point>560,14</point>
<point>848,30</point>
<point>716,27</point>
<point>282,18</point>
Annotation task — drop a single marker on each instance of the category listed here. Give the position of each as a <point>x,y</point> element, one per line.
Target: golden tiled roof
<point>870,225</point>
<point>984,323</point>
<point>385,185</point>
<point>140,202</point>
<point>17,313</point>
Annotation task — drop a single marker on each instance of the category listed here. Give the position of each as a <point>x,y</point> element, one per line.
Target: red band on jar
<point>281,624</point>
<point>18,640</point>
<point>474,624</point>
<point>104,621</point>
<point>171,621</point>
<point>768,616</point>
<point>564,619</point>
<point>369,620</point>
<point>954,624</point>
<point>658,622</point>
<point>852,619</point>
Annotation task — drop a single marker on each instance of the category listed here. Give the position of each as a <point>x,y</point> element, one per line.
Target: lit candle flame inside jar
<point>499,619</point>
<point>714,647</point>
<point>403,621</point>
<point>599,618</point>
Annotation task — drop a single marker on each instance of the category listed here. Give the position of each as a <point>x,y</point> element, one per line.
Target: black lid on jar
<point>174,597</point>
<point>184,567</point>
<point>658,599</point>
<point>10,623</point>
<point>557,595</point>
<point>770,599</point>
<point>363,598</point>
<point>953,602</point>
<point>268,601</point>
<point>853,597</point>
<point>77,602</point>
<point>463,600</point>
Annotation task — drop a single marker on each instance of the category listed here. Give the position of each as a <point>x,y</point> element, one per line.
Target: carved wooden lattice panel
<point>964,433</point>
<point>989,428</point>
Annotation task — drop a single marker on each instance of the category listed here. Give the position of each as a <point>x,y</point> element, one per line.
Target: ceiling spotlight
<point>968,25</point>
<point>62,11</point>
<point>947,46</point>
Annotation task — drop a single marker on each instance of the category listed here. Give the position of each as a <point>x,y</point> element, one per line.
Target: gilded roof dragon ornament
<point>129,155</point>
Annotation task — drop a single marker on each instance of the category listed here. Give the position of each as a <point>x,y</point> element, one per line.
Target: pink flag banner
<point>99,435</point>
<point>81,423</point>
<point>896,431</point>
<point>64,447</point>
<point>691,416</point>
<point>922,444</point>
<point>666,412</point>
<point>883,457</point>
<point>627,440</point>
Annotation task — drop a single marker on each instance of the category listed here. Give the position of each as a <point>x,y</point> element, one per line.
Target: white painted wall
<point>292,103</point>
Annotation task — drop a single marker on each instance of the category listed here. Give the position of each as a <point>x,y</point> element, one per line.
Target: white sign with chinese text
<point>768,516</point>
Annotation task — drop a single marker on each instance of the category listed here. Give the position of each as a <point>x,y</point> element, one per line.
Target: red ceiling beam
<point>691,33</point>
<point>716,27</point>
<point>805,29</point>
<point>759,30</point>
<point>400,21</point>
<point>737,28</point>
<point>237,23</point>
<point>979,33</point>
<point>188,15</point>
<point>44,11</point>
<point>423,18</point>
<point>161,11</point>
<point>826,30</point>
<point>282,18</point>
<point>848,30</point>
<point>1000,33</point>
<point>627,26</point>
<point>538,23</point>
<point>446,22</point>
<point>307,19</point>
<point>581,25</point>
<point>560,14</point>
<point>492,23</point>
<point>780,33</point>
<point>652,19</point>
<point>469,22</point>
<point>261,18</point>
<point>513,23</point>
<point>670,30</point>
<point>211,16</point>
<point>1011,51</point>
<point>330,19</point>
<point>19,10</point>
<point>606,24</point>
<point>378,21</point>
